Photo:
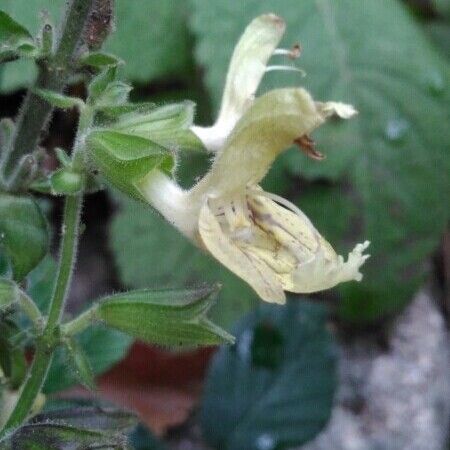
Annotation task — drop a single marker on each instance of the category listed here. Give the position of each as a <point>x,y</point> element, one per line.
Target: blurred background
<point>379,348</point>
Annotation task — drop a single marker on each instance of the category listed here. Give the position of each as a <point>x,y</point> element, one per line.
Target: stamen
<point>287,69</point>
<point>308,146</point>
<point>291,53</point>
<point>229,215</point>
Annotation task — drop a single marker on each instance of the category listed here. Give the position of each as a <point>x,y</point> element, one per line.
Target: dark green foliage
<point>23,233</point>
<point>274,388</point>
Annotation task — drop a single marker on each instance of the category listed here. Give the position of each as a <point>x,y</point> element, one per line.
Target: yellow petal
<point>245,265</point>
<point>248,64</point>
<point>247,67</point>
<point>343,110</point>
<point>321,273</point>
<point>270,126</point>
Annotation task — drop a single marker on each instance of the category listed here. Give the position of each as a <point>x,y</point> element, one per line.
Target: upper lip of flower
<point>247,67</point>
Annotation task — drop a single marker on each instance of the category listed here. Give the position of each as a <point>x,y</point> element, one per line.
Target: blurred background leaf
<point>275,387</point>
<point>142,439</point>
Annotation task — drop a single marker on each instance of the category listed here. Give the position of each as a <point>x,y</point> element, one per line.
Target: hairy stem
<point>53,75</point>
<point>80,323</point>
<point>49,339</point>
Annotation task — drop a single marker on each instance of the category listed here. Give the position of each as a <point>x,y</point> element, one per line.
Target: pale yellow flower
<point>247,67</point>
<point>262,238</point>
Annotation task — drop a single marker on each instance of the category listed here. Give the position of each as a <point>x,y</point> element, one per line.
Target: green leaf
<point>166,125</point>
<point>6,131</point>
<point>275,387</point>
<point>80,363</point>
<point>108,115</point>
<point>23,233</point>
<point>9,294</point>
<point>166,317</point>
<point>12,33</point>
<point>12,358</point>
<point>100,60</point>
<point>20,73</point>
<point>392,157</point>
<point>125,159</point>
<point>59,100</point>
<point>78,428</point>
<point>66,181</point>
<point>40,282</point>
<point>150,252</point>
<point>116,93</point>
<point>99,83</point>
<point>103,348</point>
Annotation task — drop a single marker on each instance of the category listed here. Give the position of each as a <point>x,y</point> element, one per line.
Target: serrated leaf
<point>103,348</point>
<point>125,159</point>
<point>23,233</point>
<point>166,317</point>
<point>159,256</point>
<point>100,59</point>
<point>394,154</point>
<point>59,100</point>
<point>274,388</point>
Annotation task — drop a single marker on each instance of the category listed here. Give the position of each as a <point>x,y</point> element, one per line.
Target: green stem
<point>53,75</point>
<point>49,338</point>
<point>81,322</point>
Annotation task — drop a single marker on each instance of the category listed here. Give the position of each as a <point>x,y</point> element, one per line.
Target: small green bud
<point>124,160</point>
<point>66,181</point>
<point>47,39</point>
